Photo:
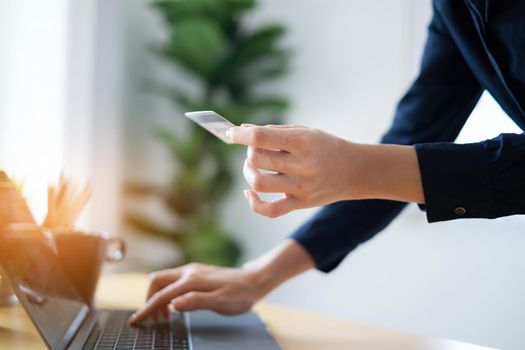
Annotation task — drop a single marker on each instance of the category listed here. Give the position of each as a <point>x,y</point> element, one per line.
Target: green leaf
<point>274,103</point>
<point>188,150</point>
<point>176,10</point>
<point>170,139</point>
<point>259,44</point>
<point>256,58</point>
<point>269,69</point>
<point>237,113</point>
<point>236,7</point>
<point>199,46</point>
<point>206,242</point>
<point>221,184</point>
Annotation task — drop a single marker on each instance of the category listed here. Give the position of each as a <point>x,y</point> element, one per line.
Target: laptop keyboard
<point>117,335</point>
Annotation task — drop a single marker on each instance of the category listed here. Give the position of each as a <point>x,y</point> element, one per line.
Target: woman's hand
<point>314,168</point>
<point>223,290</point>
<point>309,166</point>
<point>197,286</point>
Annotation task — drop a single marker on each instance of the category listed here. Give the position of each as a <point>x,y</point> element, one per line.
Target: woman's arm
<point>223,290</point>
<point>313,168</point>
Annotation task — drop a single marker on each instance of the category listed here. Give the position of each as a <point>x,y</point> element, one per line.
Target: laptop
<point>64,321</point>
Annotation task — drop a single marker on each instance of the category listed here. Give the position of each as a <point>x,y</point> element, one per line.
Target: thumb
<point>241,135</point>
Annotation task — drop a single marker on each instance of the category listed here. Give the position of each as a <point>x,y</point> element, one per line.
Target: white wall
<point>352,61</point>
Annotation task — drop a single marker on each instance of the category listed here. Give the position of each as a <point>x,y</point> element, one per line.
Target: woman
<point>472,46</point>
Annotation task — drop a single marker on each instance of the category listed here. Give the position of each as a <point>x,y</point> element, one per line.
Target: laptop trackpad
<point>212,331</point>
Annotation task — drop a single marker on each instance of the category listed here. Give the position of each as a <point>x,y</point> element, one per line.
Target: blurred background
<point>98,88</point>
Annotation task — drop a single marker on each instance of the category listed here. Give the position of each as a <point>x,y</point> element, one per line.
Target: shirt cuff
<point>456,180</point>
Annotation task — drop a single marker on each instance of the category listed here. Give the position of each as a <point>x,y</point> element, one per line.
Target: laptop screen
<point>41,286</point>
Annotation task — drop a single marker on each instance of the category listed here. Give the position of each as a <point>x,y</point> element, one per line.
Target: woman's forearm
<point>285,261</point>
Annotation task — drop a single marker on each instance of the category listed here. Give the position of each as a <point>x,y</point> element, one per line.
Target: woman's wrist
<point>382,172</point>
<point>285,261</point>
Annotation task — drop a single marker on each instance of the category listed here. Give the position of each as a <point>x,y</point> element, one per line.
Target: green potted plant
<point>209,40</point>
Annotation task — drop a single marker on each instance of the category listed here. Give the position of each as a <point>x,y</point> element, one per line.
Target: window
<point>32,93</point>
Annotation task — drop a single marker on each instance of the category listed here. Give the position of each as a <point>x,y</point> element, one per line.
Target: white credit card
<point>212,122</point>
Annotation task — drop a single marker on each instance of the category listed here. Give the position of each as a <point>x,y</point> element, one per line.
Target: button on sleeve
<point>460,211</point>
<point>455,177</point>
<point>477,180</point>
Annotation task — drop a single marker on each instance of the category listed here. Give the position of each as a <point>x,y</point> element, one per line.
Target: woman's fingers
<point>165,311</point>
<point>164,296</point>
<point>219,301</point>
<point>287,126</point>
<point>195,301</point>
<point>161,279</point>
<point>267,182</point>
<point>271,209</point>
<point>277,161</point>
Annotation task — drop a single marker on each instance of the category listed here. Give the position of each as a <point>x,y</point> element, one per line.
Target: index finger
<point>164,296</point>
<point>158,300</point>
<point>160,279</point>
<point>282,139</point>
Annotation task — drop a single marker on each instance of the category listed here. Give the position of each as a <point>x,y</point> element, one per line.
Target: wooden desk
<point>293,329</point>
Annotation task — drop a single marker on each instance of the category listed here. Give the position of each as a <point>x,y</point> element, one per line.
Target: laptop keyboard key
<point>117,335</point>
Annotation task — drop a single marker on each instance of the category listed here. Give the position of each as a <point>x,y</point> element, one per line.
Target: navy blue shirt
<point>472,46</point>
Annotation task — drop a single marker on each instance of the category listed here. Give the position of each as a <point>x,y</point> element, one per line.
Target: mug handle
<point>116,249</point>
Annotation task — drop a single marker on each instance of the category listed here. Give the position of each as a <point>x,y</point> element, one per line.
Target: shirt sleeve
<point>477,180</point>
<point>434,109</point>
